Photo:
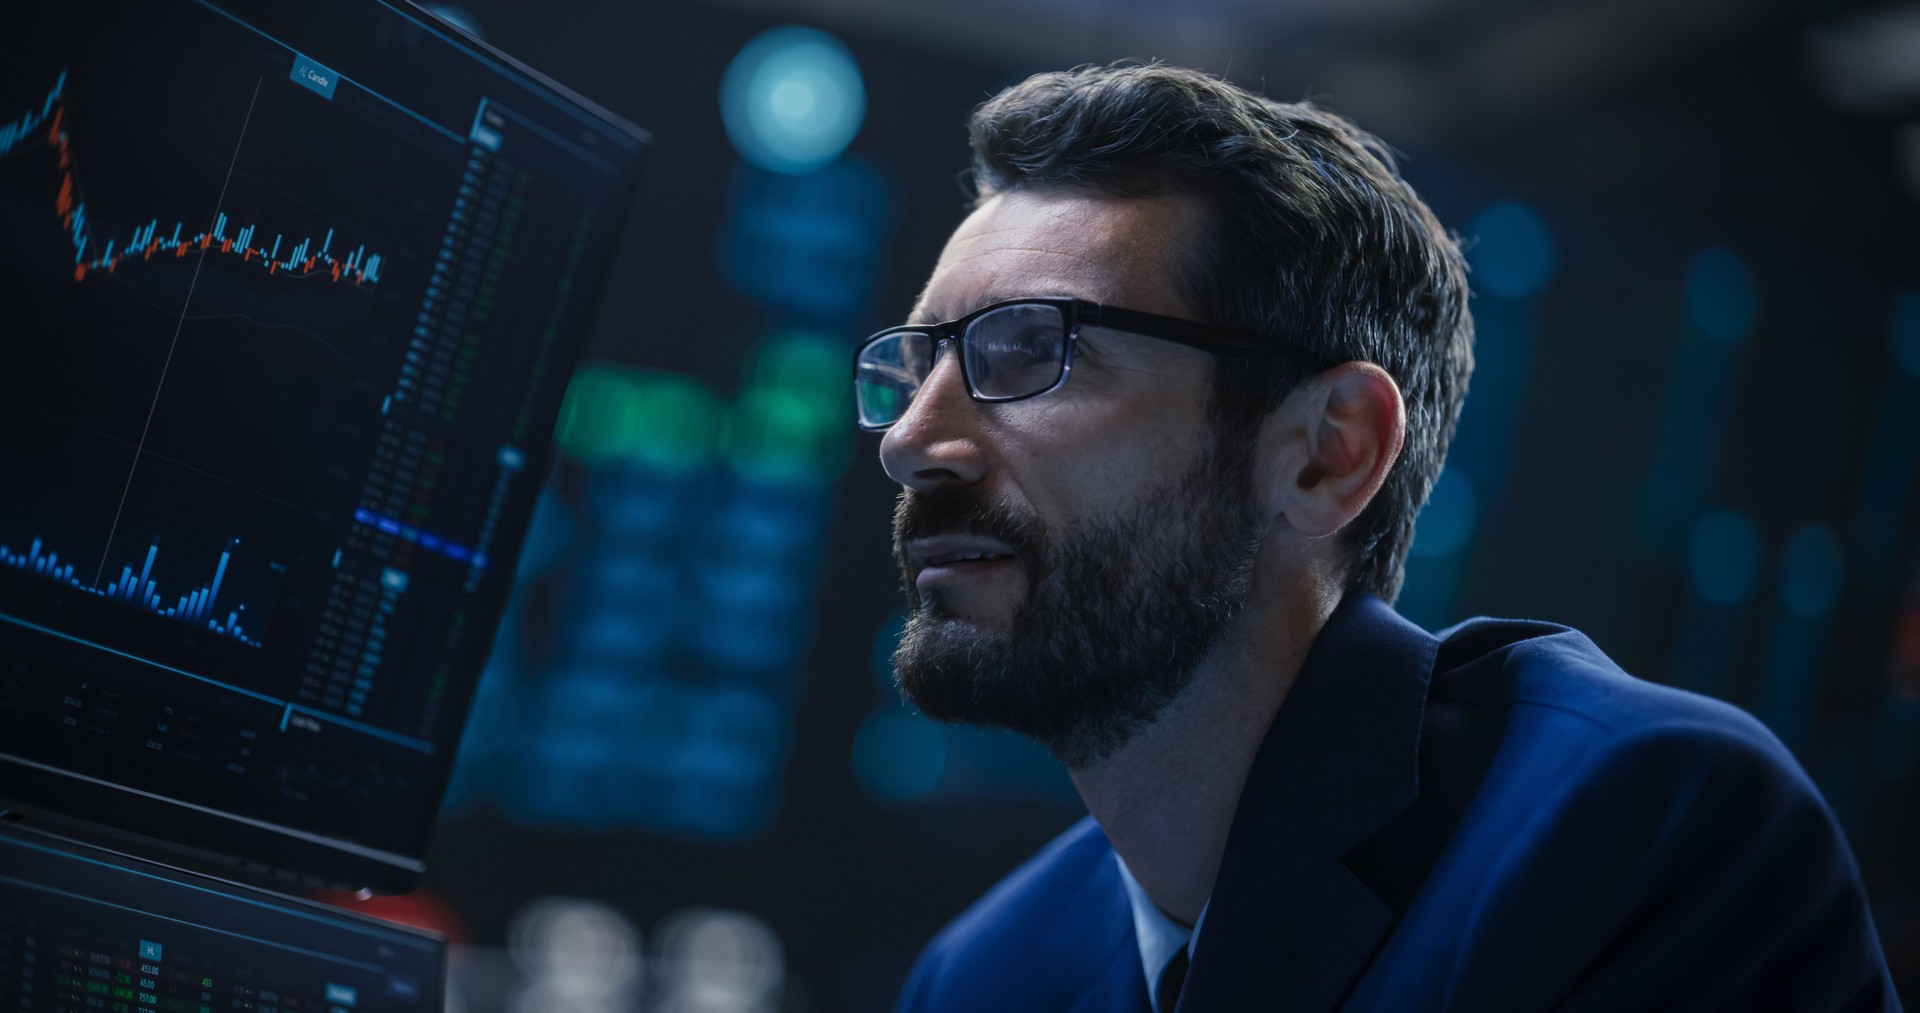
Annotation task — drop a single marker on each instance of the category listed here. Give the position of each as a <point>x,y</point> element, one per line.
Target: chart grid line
<point>219,204</point>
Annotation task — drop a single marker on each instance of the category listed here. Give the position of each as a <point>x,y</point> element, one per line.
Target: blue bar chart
<point>200,607</point>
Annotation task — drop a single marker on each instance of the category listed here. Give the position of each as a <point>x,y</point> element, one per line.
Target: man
<point>1169,404</point>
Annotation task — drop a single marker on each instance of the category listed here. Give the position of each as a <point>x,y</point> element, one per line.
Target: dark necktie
<point>1167,992</point>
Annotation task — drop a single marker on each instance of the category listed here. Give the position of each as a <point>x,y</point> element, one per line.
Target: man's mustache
<point>951,510</point>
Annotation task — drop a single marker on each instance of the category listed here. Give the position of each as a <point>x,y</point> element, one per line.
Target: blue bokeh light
<point>1811,568</point>
<point>1722,299</point>
<point>884,644</point>
<point>792,100</point>
<point>1512,253</point>
<point>1724,560</point>
<point>1905,332</point>
<point>1447,521</point>
<point>549,535</point>
<point>899,757</point>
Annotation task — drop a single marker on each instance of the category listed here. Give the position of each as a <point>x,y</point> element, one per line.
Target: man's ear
<point>1333,442</point>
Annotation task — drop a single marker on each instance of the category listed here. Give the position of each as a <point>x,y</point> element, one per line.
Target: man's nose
<point>938,439</point>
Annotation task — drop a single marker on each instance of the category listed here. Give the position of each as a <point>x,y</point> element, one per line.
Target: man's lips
<point>942,558</point>
<point>942,550</point>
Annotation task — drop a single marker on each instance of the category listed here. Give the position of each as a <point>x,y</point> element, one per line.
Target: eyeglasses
<point>1014,350</point>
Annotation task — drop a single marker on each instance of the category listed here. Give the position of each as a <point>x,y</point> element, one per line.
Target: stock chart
<point>288,329</point>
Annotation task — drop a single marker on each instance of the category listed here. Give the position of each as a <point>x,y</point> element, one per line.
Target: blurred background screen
<point>1694,434</point>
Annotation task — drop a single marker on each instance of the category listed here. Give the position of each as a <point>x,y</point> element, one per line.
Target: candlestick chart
<point>216,310</point>
<point>97,248</point>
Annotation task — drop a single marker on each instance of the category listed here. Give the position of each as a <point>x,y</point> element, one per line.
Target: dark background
<point>1694,435</point>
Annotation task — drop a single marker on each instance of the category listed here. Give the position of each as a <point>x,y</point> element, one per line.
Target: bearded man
<point>1163,418</point>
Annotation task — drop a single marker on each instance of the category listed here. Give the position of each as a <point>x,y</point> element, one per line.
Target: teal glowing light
<point>1512,252</point>
<point>1811,570</point>
<point>792,100</point>
<point>899,757</point>
<point>1723,562</point>
<point>1722,299</point>
<point>1447,521</point>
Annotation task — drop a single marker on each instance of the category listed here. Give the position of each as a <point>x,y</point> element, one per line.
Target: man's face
<point>1068,559</point>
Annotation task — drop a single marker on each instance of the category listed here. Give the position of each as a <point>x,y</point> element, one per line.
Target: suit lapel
<point>1288,924</point>
<point>1094,959</point>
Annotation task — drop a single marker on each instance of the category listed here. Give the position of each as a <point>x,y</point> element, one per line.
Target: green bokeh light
<point>665,419</point>
<point>810,365</point>
<point>775,436</point>
<point>791,423</point>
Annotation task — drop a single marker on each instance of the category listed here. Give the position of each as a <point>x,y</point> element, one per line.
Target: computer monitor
<point>83,928</point>
<point>290,295</point>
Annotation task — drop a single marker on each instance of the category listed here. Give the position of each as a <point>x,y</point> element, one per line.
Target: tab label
<point>314,75</point>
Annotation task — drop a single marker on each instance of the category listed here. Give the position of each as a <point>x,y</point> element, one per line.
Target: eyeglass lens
<point>1012,352</point>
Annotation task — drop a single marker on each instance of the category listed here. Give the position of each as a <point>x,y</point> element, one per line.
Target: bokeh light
<point>1723,561</point>
<point>666,419</point>
<point>575,954</point>
<point>792,100</point>
<point>884,644</point>
<point>899,757</point>
<point>1722,300</point>
<point>1811,569</point>
<point>1447,521</point>
<point>1510,251</point>
<point>791,423</point>
<point>718,961</point>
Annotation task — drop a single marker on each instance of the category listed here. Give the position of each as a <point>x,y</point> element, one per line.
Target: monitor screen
<point>85,929</point>
<point>290,293</point>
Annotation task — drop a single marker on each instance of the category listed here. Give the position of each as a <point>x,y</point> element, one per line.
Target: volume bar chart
<point>47,127</point>
<point>198,608</point>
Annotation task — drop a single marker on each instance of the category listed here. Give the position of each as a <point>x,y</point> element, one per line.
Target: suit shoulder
<point>1039,885</point>
<point>1041,911</point>
<point>1559,676</point>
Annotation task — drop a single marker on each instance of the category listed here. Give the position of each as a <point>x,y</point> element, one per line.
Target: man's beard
<point>1119,610</point>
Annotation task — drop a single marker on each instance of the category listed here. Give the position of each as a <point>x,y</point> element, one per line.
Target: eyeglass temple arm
<point>1205,337</point>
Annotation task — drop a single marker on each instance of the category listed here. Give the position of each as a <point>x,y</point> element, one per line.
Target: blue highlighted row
<point>426,540</point>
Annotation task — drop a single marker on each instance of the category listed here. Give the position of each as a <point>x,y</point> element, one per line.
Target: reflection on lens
<point>887,374</point>
<point>1016,351</point>
<point>879,403</point>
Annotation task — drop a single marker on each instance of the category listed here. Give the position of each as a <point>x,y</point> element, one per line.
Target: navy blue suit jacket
<point>1494,819</point>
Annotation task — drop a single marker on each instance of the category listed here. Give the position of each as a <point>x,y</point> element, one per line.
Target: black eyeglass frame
<point>1073,313</point>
